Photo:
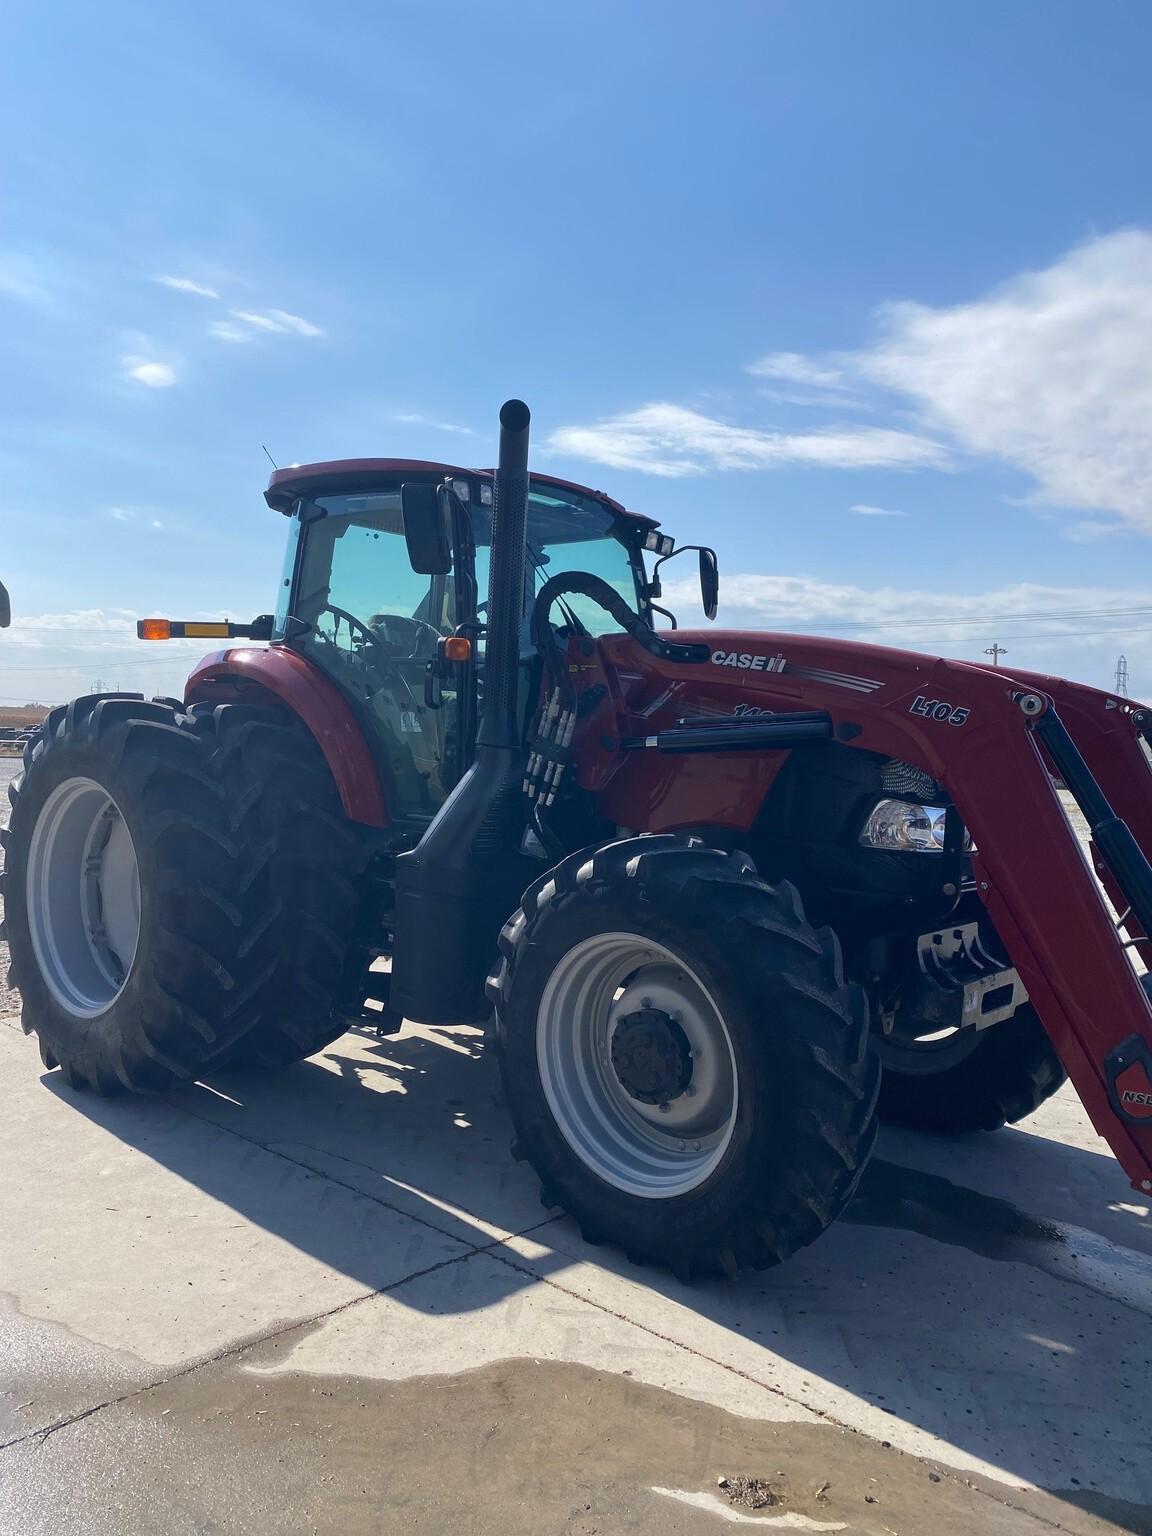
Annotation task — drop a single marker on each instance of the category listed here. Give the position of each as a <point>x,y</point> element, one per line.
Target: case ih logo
<point>748,661</point>
<point>751,661</point>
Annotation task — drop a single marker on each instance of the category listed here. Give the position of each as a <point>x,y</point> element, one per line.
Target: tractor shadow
<point>938,1300</point>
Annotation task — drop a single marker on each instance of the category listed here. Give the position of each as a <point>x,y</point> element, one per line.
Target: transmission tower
<point>1122,677</point>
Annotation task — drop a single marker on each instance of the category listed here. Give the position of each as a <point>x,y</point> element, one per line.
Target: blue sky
<point>754,265</point>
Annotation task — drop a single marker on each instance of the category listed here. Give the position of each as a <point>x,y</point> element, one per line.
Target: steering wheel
<point>365,630</point>
<point>385,625</point>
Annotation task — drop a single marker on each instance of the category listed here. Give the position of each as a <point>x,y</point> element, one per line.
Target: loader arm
<point>1040,891</point>
<point>964,725</point>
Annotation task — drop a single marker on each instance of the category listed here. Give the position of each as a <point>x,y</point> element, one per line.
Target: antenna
<point>269,457</point>
<point>1122,677</point>
<point>995,651</point>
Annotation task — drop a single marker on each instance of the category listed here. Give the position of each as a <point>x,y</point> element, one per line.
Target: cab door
<point>374,628</point>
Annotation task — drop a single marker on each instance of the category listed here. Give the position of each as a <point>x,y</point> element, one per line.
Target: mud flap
<point>1128,1072</point>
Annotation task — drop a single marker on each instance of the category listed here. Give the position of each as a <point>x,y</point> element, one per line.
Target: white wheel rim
<point>83,897</point>
<point>650,1150</point>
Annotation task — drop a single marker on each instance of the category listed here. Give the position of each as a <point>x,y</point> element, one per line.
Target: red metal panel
<point>303,688</point>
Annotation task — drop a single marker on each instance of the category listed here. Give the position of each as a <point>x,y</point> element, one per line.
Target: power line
<point>991,618</point>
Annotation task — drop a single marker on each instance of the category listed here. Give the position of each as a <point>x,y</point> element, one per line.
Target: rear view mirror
<point>425,529</point>
<point>709,582</point>
<point>5,607</point>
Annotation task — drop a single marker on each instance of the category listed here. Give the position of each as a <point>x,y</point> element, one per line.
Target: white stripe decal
<point>838,679</point>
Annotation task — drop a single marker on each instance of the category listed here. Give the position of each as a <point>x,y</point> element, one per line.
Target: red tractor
<point>725,898</point>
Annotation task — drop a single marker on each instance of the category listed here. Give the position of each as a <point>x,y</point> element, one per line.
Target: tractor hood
<point>836,668</point>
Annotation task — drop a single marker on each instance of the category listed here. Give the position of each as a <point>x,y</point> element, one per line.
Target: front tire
<point>684,1065</point>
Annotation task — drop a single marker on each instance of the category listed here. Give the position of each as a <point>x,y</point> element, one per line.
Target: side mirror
<point>5,607</point>
<point>425,529</point>
<point>709,582</point>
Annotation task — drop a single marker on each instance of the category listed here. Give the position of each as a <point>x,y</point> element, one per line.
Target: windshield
<point>568,531</point>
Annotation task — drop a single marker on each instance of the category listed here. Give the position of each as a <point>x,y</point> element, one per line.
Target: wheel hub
<point>651,1056</point>
<point>637,1065</point>
<point>83,897</point>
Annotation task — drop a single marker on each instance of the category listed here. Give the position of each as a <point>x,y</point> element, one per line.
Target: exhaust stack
<point>466,875</point>
<point>499,727</point>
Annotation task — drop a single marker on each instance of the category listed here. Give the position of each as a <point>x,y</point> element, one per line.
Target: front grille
<point>907,782</point>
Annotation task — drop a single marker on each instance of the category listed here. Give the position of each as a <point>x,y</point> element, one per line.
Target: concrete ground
<point>328,1301</point>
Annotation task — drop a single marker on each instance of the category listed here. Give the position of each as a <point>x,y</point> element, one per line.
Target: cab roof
<point>287,484</point>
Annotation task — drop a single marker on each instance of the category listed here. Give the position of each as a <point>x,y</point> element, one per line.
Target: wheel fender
<point>289,679</point>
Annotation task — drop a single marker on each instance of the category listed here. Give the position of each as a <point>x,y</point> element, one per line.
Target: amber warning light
<point>178,629</point>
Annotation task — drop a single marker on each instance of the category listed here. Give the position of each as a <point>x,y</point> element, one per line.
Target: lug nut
<point>664,1108</point>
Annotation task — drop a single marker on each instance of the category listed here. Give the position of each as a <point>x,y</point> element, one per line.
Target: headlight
<point>904,827</point>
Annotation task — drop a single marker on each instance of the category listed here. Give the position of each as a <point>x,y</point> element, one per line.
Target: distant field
<point>18,719</point>
<point>30,716</point>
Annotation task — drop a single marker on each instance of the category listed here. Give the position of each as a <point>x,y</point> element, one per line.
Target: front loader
<point>723,898</point>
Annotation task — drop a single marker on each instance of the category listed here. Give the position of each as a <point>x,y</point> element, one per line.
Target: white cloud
<point>289,322</point>
<point>55,656</point>
<point>796,369</point>
<point>121,514</point>
<point>156,523</point>
<point>258,321</point>
<point>862,509</point>
<point>1089,530</point>
<point>187,285</point>
<point>148,371</point>
<point>670,440</point>
<point>224,330</point>
<point>415,419</point>
<point>1052,373</point>
<point>277,321</point>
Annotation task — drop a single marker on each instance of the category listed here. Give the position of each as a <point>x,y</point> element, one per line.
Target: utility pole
<point>1122,677</point>
<point>995,651</point>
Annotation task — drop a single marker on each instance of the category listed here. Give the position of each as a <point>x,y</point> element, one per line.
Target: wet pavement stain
<point>521,1448</point>
<point>910,1200</point>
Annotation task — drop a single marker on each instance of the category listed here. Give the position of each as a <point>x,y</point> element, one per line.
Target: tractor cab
<point>405,643</point>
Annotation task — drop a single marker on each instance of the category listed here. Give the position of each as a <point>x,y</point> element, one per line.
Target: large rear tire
<point>181,892</point>
<point>684,1066</point>
<point>316,864</point>
<point>140,933</point>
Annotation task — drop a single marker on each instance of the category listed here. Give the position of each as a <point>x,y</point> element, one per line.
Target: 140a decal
<point>937,709</point>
